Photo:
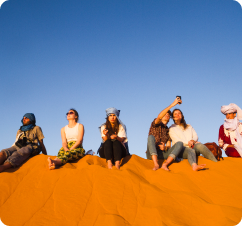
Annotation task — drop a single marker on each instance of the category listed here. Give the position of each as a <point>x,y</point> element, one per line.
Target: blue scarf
<point>32,119</point>
<point>116,112</point>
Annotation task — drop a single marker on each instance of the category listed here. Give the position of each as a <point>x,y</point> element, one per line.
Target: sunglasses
<point>70,113</point>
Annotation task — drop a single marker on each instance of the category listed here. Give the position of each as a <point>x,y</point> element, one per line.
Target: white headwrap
<point>232,108</point>
<point>233,124</point>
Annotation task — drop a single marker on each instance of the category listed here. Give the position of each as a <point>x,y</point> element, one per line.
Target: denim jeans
<point>16,156</point>
<point>202,149</point>
<point>189,154</point>
<point>173,151</point>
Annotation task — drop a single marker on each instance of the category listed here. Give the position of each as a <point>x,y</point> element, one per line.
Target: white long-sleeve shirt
<point>177,133</point>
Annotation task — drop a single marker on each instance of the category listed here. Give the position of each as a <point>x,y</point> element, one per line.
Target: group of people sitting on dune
<point>114,146</point>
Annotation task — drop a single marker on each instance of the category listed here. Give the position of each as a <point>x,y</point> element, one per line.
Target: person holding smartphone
<point>159,141</point>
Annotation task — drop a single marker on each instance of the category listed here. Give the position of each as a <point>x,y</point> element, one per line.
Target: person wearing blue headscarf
<point>114,137</point>
<point>29,142</point>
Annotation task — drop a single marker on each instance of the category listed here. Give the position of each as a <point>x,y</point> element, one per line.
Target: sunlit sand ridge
<point>87,193</point>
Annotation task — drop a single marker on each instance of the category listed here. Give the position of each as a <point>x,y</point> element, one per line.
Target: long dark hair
<point>76,114</point>
<point>112,130</point>
<point>183,121</point>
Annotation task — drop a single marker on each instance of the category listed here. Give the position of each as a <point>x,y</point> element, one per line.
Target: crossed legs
<point>53,163</point>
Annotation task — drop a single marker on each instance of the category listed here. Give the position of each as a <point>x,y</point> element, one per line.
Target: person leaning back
<point>29,142</point>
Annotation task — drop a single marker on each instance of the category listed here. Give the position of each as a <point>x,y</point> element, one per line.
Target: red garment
<point>224,140</point>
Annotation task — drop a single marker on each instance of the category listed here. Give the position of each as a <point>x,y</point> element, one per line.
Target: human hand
<point>105,132</point>
<point>161,146</point>
<point>191,143</point>
<point>113,137</point>
<point>66,149</point>
<point>176,101</point>
<point>230,146</point>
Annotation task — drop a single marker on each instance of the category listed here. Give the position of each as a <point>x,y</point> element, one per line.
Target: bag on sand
<point>215,149</point>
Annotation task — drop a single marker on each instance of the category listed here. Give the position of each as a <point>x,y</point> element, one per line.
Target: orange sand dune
<point>87,193</point>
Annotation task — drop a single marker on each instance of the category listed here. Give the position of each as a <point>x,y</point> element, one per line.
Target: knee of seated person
<point>193,151</point>
<point>179,144</point>
<point>116,142</point>
<point>108,141</point>
<point>199,145</point>
<point>151,138</point>
<point>25,150</point>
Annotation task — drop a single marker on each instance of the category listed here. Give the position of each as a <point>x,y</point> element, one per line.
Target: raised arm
<point>163,112</point>
<point>79,137</point>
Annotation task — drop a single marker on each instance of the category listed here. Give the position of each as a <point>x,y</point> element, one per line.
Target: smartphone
<point>179,97</point>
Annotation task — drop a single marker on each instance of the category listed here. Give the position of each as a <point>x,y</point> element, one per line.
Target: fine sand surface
<point>87,193</point>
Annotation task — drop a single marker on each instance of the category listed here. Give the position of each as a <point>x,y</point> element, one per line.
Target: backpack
<point>215,149</point>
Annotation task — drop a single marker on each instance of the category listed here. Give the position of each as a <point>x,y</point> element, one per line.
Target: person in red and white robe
<point>230,133</point>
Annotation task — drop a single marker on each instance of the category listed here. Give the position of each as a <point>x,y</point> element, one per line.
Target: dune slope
<point>87,193</point>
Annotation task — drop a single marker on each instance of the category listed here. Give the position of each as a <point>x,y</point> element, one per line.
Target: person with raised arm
<point>28,143</point>
<point>72,138</point>
<point>230,133</point>
<point>114,137</point>
<point>159,141</point>
<point>180,131</point>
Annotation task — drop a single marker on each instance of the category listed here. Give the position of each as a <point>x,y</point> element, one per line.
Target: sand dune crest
<point>87,193</point>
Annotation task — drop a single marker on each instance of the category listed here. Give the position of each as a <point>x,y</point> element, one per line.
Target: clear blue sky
<point>134,55</point>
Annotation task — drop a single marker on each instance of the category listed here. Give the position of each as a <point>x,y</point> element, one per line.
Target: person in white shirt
<point>72,138</point>
<point>113,133</point>
<point>181,131</point>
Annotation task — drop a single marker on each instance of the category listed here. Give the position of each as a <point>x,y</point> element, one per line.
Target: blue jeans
<point>173,151</point>
<point>190,154</point>
<point>16,156</point>
<point>202,149</point>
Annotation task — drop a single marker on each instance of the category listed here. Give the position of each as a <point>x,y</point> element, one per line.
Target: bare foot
<point>5,166</point>
<point>110,164</point>
<point>117,164</point>
<point>196,167</point>
<point>156,167</point>
<point>165,167</point>
<point>2,157</point>
<point>51,163</point>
